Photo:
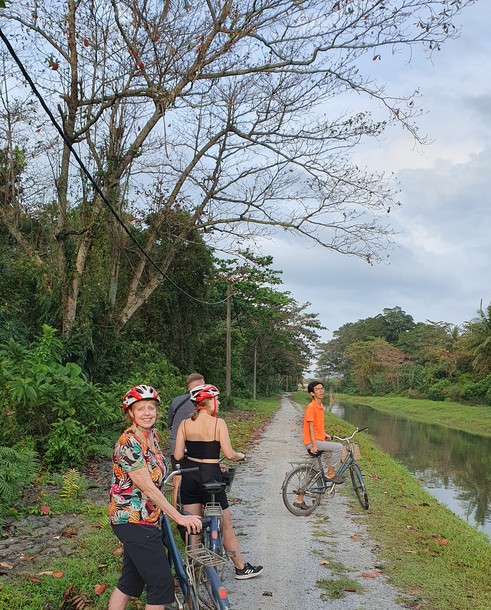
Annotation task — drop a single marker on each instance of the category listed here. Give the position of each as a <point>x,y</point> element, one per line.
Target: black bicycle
<point>305,485</point>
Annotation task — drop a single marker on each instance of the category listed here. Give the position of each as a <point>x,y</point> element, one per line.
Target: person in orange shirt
<point>315,438</point>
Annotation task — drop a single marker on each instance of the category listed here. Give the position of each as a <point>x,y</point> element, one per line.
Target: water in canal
<point>453,466</point>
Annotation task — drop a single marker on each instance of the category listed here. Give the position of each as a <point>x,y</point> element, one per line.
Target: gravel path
<point>296,552</point>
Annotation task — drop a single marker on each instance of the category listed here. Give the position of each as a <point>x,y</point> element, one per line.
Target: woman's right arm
<point>225,444</point>
<point>180,446</point>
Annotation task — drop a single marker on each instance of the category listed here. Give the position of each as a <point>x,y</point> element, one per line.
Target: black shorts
<point>145,564</point>
<point>191,490</point>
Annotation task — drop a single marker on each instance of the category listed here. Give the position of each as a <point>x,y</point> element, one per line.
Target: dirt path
<point>294,549</point>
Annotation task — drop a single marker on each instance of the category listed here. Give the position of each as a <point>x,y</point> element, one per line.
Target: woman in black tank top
<point>199,442</point>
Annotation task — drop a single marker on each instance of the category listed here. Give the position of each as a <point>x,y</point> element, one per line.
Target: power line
<point>91,179</point>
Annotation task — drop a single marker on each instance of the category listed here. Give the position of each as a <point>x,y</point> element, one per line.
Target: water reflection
<point>454,466</point>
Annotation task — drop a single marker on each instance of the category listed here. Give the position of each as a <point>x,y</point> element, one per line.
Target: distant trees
<point>392,353</point>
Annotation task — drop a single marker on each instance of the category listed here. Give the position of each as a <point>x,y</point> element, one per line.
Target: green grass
<point>472,419</point>
<point>337,588</point>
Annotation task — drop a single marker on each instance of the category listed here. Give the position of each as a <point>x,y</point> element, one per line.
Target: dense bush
<point>68,417</point>
<point>19,466</point>
<point>438,391</point>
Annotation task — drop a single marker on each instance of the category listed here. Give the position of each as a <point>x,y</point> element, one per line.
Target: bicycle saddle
<point>214,487</point>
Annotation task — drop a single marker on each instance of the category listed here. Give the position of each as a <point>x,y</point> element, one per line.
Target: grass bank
<point>427,551</point>
<point>472,419</point>
<point>85,579</point>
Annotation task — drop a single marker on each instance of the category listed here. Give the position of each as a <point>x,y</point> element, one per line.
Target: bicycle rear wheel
<point>209,592</point>
<point>359,486</point>
<point>303,480</point>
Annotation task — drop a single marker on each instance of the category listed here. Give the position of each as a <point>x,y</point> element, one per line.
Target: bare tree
<point>218,117</point>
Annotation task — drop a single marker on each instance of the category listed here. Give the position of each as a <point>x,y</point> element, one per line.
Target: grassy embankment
<point>472,419</point>
<point>97,560</point>
<point>427,550</point>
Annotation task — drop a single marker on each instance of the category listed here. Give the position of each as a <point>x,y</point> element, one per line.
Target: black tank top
<point>202,450</point>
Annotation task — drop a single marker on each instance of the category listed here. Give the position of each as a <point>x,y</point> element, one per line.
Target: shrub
<point>53,403</point>
<point>438,390</point>
<point>18,467</point>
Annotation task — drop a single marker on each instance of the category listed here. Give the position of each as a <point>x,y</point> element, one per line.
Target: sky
<point>440,267</point>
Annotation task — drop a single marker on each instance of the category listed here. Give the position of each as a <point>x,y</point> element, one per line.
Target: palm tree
<point>479,341</point>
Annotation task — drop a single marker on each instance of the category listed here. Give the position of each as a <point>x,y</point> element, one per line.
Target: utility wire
<point>91,179</point>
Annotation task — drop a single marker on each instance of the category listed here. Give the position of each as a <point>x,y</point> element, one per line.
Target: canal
<point>453,466</point>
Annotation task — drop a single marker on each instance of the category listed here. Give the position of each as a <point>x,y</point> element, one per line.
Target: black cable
<point>91,179</point>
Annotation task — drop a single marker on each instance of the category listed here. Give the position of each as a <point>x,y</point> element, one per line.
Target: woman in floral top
<point>136,503</point>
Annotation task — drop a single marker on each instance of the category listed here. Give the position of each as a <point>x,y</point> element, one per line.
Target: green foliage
<point>51,402</point>
<point>73,485</point>
<point>18,467</point>
<point>438,390</point>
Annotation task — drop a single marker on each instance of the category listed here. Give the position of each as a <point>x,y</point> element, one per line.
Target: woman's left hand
<point>191,522</point>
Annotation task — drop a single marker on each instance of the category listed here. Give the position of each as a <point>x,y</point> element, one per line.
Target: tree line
<point>391,353</point>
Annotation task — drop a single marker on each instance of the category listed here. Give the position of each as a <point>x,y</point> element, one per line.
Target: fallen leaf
<point>443,542</point>
<point>118,551</point>
<point>424,504</point>
<point>355,537</point>
<point>66,595</point>
<point>5,564</point>
<point>98,589</point>
<point>350,590</point>
<point>415,591</point>
<point>411,527</point>
<point>411,552</point>
<point>69,532</point>
<point>371,574</point>
<point>58,574</point>
<point>46,573</point>
<point>324,562</point>
<point>45,509</point>
<point>23,558</point>
<point>34,579</point>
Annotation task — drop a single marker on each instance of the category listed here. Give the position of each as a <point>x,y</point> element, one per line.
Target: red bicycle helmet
<point>203,392</point>
<point>139,392</point>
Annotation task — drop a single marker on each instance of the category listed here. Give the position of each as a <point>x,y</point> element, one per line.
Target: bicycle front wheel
<point>359,486</point>
<point>303,481</point>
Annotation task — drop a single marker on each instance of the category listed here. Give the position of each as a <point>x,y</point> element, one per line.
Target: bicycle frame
<point>189,570</point>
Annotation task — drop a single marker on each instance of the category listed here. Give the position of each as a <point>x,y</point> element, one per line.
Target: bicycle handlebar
<point>178,472</point>
<point>348,438</point>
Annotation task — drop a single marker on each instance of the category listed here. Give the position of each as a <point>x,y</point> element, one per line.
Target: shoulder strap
<point>177,409</point>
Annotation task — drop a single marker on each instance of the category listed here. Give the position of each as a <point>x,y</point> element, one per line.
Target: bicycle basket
<point>168,491</point>
<point>355,447</point>
<point>228,476</point>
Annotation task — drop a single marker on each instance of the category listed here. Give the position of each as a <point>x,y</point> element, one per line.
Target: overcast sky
<point>440,268</point>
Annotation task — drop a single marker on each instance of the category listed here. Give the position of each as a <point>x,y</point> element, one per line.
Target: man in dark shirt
<point>180,409</point>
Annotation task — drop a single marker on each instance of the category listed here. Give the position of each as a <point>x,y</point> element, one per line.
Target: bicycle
<point>200,586</point>
<point>310,481</point>
<point>212,533</point>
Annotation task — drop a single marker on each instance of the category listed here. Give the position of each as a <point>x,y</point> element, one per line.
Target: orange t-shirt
<point>314,413</point>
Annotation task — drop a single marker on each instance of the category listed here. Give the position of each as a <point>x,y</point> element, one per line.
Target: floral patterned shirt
<point>127,503</point>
